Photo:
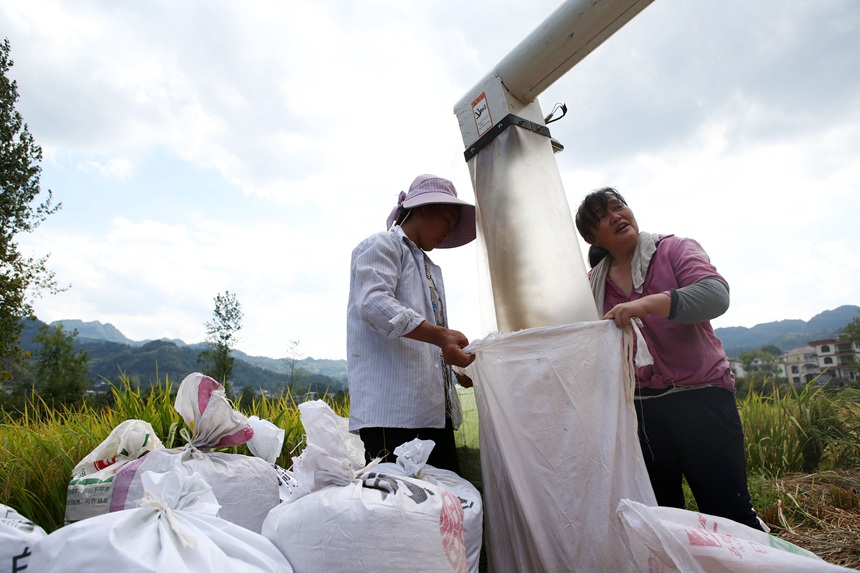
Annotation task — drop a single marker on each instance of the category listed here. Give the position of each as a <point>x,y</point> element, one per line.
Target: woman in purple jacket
<point>685,405</point>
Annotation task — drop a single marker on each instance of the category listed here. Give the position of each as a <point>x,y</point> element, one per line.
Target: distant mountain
<point>110,354</point>
<point>786,334</point>
<point>95,331</point>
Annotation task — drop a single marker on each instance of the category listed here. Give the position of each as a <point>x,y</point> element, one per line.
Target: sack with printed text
<point>344,517</point>
<point>18,536</point>
<point>91,486</point>
<point>246,487</point>
<point>412,462</point>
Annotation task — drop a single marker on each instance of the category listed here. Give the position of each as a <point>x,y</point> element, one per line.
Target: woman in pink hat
<point>399,346</point>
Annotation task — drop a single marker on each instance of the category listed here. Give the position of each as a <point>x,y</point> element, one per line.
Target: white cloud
<point>113,168</point>
<point>733,123</point>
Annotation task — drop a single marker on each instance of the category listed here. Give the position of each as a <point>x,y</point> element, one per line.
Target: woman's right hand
<point>657,304</point>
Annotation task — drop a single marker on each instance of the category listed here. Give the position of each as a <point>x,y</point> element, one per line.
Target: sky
<point>206,146</point>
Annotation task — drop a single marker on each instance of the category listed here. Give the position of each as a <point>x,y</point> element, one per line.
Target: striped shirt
<point>394,382</point>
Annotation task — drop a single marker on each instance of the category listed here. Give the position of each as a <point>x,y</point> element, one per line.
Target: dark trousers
<point>381,442</point>
<point>697,434</point>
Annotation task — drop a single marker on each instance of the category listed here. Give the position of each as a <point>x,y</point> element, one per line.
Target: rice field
<point>803,455</point>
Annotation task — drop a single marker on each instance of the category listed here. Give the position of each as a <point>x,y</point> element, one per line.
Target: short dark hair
<point>588,216</point>
<point>592,208</point>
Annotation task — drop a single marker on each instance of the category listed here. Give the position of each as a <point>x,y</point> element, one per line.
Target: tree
<point>764,360</point>
<point>246,398</point>
<point>851,333</point>
<point>61,373</point>
<point>296,372</point>
<point>221,338</point>
<point>762,371</point>
<point>19,183</point>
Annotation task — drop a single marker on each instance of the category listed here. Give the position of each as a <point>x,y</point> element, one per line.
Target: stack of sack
<point>246,487</point>
<point>343,516</point>
<point>89,492</point>
<point>175,529</point>
<point>18,536</point>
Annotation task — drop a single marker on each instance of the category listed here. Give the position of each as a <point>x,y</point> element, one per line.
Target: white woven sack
<point>342,517</point>
<point>666,539</point>
<point>559,448</point>
<point>379,523</point>
<point>18,535</point>
<point>175,530</point>
<point>412,462</point>
<point>246,487</point>
<point>90,488</point>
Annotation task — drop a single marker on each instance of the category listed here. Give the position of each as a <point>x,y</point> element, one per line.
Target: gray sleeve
<point>700,301</point>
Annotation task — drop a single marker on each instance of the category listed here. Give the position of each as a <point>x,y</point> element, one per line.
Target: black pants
<point>697,434</point>
<point>381,442</point>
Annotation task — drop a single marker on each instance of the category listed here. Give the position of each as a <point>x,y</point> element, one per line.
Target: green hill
<point>148,361</point>
<point>787,334</point>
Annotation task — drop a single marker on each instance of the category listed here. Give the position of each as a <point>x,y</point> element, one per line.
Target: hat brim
<point>465,231</point>
<point>431,198</point>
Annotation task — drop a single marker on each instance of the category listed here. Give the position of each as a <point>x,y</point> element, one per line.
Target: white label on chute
<point>481,113</point>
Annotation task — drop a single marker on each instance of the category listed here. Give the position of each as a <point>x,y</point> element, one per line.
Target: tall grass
<point>795,431</point>
<point>801,430</point>
<point>467,438</point>
<point>39,447</point>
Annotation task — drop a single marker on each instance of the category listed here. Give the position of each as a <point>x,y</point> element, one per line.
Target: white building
<point>838,361</point>
<point>800,366</point>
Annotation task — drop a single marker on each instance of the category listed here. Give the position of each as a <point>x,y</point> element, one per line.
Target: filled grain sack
<point>175,529</point>
<point>412,462</point>
<point>18,536</point>
<point>670,539</point>
<point>344,517</point>
<point>246,487</point>
<point>91,486</point>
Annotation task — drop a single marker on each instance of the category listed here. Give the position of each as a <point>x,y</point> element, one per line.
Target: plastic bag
<point>175,529</point>
<point>267,443</point>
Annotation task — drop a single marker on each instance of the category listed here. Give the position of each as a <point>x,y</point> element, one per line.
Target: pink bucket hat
<point>429,189</point>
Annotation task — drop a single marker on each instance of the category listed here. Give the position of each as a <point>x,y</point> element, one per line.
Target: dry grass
<point>819,512</point>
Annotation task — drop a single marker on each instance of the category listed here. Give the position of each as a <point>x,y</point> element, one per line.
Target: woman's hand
<point>656,304</point>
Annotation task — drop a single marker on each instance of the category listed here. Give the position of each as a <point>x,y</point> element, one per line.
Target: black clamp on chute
<point>499,127</point>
